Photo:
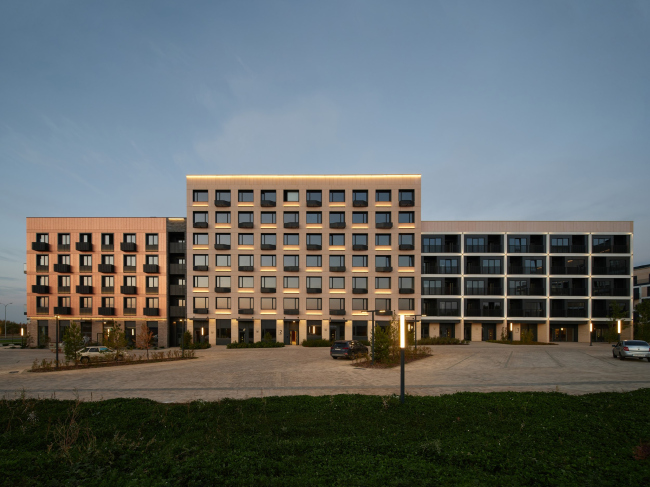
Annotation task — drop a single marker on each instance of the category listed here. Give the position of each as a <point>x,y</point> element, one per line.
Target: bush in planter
<point>316,343</point>
<point>262,344</point>
<point>441,341</point>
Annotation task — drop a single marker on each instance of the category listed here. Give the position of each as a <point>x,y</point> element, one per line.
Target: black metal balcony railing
<point>41,246</point>
<point>434,269</point>
<point>85,311</point>
<point>38,289</point>
<point>85,268</point>
<point>406,247</point>
<point>337,268</point>
<point>360,203</point>
<point>526,249</point>
<point>568,249</point>
<point>245,224</point>
<point>246,311</point>
<point>42,268</point>
<point>526,313</point>
<point>337,312</point>
<point>246,268</point>
<point>42,310</point>
<point>569,291</point>
<point>150,268</point>
<point>129,289</point>
<point>359,247</point>
<point>177,268</point>
<point>384,225</point>
<point>406,203</point>
<point>177,290</point>
<point>130,311</point>
<point>151,311</point>
<point>62,310</point>
<point>107,247</point>
<point>219,246</point>
<point>291,224</point>
<point>337,224</point>
<point>314,290</point>
<point>267,246</point>
<point>106,268</point>
<point>200,224</point>
<point>201,268</point>
<point>489,248</point>
<point>569,270</point>
<point>406,290</point>
<point>609,248</point>
<point>177,311</point>
<point>106,311</point>
<point>314,247</point>
<point>63,289</point>
<point>63,247</point>
<point>151,247</point>
<point>268,203</point>
<point>221,289</point>
<point>151,290</point>
<point>433,311</point>
<point>222,203</point>
<point>291,268</point>
<point>128,247</point>
<point>609,291</point>
<point>383,269</point>
<point>108,289</point>
<point>177,247</point>
<point>480,269</point>
<point>441,291</point>
<point>201,311</point>
<point>268,290</point>
<point>611,270</point>
<point>314,203</point>
<point>518,269</point>
<point>84,246</point>
<point>84,289</point>
<point>484,291</point>
<point>291,311</point>
<point>498,313</point>
<point>359,290</point>
<point>441,249</point>
<point>129,268</point>
<point>65,268</point>
<point>568,313</point>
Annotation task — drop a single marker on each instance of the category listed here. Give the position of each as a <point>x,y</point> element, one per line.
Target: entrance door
<point>468,333</point>
<point>242,335</point>
<point>489,332</point>
<point>294,337</point>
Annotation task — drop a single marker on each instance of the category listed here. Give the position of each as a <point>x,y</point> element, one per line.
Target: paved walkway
<point>571,368</point>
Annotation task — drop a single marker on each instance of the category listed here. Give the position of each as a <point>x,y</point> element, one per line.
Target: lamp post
<point>5,305</point>
<point>415,330</point>
<point>591,330</point>
<point>373,311</point>
<point>402,344</point>
<point>619,330</point>
<point>57,341</point>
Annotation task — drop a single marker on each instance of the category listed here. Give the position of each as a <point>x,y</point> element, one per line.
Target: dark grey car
<point>347,348</point>
<point>631,349</point>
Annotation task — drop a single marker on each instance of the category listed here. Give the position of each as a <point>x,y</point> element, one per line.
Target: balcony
<point>568,249</point>
<point>384,225</point>
<point>200,224</point>
<point>314,290</point>
<point>407,247</point>
<point>479,269</point>
<point>267,246</point>
<point>107,247</point>
<point>337,268</point>
<point>151,311</point>
<point>268,203</point>
<point>526,249</point>
<point>434,269</point>
<point>489,248</point>
<point>177,311</point>
<point>568,291</point>
<point>177,247</point>
<point>384,269</point>
<point>360,203</point>
<point>221,289</point>
<point>572,270</point>
<point>337,224</point>
<point>151,290</point>
<point>246,268</point>
<point>518,269</point>
<point>129,289</point>
<point>222,246</point>
<point>38,289</point>
<point>152,268</point>
<point>268,290</point>
<point>526,313</point>
<point>605,271</point>
<point>201,311</point>
<point>246,311</point>
<point>406,290</point>
<point>441,249</point>
<point>130,311</point>
<point>177,268</point>
<point>63,247</point>
<point>177,290</point>
<point>291,224</point>
<point>291,268</point>
<point>610,291</point>
<point>442,291</point>
<point>42,268</point>
<point>609,248</point>
<point>63,289</point>
<point>406,203</point>
<point>85,311</point>
<point>201,268</point>
<point>484,291</point>
<point>245,224</point>
<point>84,246</point>
<point>291,311</point>
<point>108,289</point>
<point>41,246</point>
<point>337,312</point>
<point>568,313</point>
<point>494,313</point>
<point>128,247</point>
<point>531,291</point>
<point>62,310</point>
<point>359,290</point>
<point>314,247</point>
<point>85,268</point>
<point>222,203</point>
<point>359,247</point>
<point>314,203</point>
<point>151,248</point>
<point>84,289</point>
<point>42,311</point>
<point>106,268</point>
<point>433,311</point>
<point>62,268</point>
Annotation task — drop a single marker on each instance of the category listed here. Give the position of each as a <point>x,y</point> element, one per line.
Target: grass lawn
<point>460,439</point>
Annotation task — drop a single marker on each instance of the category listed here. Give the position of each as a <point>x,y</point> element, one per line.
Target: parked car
<point>347,348</point>
<point>98,353</point>
<point>631,349</point>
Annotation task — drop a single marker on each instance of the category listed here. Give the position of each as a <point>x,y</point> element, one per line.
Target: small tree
<point>642,324</point>
<point>28,340</point>
<point>116,340</point>
<point>187,340</point>
<point>73,341</point>
<point>144,339</point>
<point>616,313</point>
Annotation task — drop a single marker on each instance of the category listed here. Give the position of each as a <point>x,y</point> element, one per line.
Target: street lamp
<point>619,330</point>
<point>5,305</point>
<point>402,344</point>
<point>57,341</point>
<point>373,311</point>
<point>591,330</point>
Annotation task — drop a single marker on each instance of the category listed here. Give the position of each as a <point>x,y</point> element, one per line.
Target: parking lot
<point>573,368</point>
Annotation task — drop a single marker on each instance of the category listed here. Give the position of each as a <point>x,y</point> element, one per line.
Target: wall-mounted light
<point>511,326</point>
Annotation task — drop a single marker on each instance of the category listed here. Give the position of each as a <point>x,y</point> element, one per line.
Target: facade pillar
<point>302,331</point>
<point>348,329</point>
<point>212,331</point>
<point>543,332</point>
<point>257,330</point>
<point>279,331</point>
<point>477,332</point>
<point>326,329</point>
<point>234,330</point>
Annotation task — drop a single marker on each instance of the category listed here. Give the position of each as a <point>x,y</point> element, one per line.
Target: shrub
<point>441,341</point>
<point>262,344</point>
<point>316,343</point>
<point>198,346</point>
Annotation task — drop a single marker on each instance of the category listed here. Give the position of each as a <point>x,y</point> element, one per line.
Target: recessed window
<point>382,283</point>
<point>337,217</point>
<point>201,216</point>
<point>222,260</point>
<point>383,195</point>
<point>382,239</point>
<point>406,217</point>
<point>314,217</point>
<point>200,195</point>
<point>246,239</point>
<point>291,217</point>
<point>360,217</point>
<point>200,239</point>
<point>291,282</point>
<point>382,303</point>
<point>314,303</point>
<point>222,217</point>
<point>359,239</point>
<point>222,238</point>
<point>130,237</point>
<point>382,260</point>
<point>200,260</point>
<point>406,304</point>
<point>314,239</point>
<point>246,282</point>
<point>359,261</point>
<point>245,217</point>
<point>337,239</point>
<point>314,195</point>
<point>337,196</point>
<point>152,239</point>
<point>201,281</point>
<point>314,261</point>
<point>406,261</point>
<point>406,239</point>
<point>269,282</point>
<point>359,283</point>
<point>406,282</point>
<point>314,282</point>
<point>245,196</point>
<point>291,303</point>
<point>337,260</point>
<point>406,195</point>
<point>223,303</point>
<point>337,282</point>
<point>42,237</point>
<point>268,303</point>
<point>222,195</point>
<point>245,303</point>
<point>291,239</point>
<point>267,260</point>
<point>291,195</point>
<point>360,304</point>
<point>268,239</point>
<point>291,261</point>
<point>360,195</point>
<point>382,217</point>
<point>245,260</point>
<point>268,195</point>
<point>337,303</point>
<point>223,281</point>
<point>267,217</point>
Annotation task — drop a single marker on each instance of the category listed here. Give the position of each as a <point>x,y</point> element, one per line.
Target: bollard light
<point>619,327</point>
<point>402,344</point>
<point>402,332</point>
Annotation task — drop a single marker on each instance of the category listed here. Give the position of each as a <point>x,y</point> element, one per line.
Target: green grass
<point>461,439</point>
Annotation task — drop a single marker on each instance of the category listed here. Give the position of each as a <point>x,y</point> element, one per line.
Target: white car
<point>98,353</point>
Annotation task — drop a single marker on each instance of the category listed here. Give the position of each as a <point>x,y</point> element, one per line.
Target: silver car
<point>631,349</point>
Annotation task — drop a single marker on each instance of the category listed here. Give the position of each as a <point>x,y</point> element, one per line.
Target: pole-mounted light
<point>619,327</point>
<point>402,344</point>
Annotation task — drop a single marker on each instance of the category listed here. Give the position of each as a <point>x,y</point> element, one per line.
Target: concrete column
<point>516,332</point>
<point>279,331</point>
<point>212,331</point>
<point>543,332</point>
<point>477,332</point>
<point>500,328</point>
<point>234,330</point>
<point>326,330</point>
<point>348,330</point>
<point>459,330</point>
<point>302,331</point>
<point>257,330</point>
<point>583,333</point>
<point>434,330</point>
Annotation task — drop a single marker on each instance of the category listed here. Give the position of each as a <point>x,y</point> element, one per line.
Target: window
<point>359,283</point>
<point>42,237</point>
<point>291,239</point>
<point>406,282</point>
<point>337,282</point>
<point>221,217</point>
<point>291,217</point>
<point>223,281</point>
<point>359,261</point>
<point>87,260</point>
<point>246,282</point>
<point>382,283</point>
<point>360,239</point>
<point>129,260</point>
<point>130,237</point>
<point>152,239</point>
<point>45,280</point>
<point>246,239</point>
<point>382,303</point>
<point>269,282</point>
<point>245,196</point>
<point>201,303</point>
<point>107,239</point>
<point>245,303</point>
<point>406,217</point>
<point>314,261</point>
<point>383,195</point>
<point>406,239</point>
<point>268,195</point>
<point>85,237</point>
<point>128,281</point>
<point>291,282</point>
<point>337,239</point>
<point>106,260</point>
<point>360,217</point>
<point>201,281</point>
<point>291,303</point>
<point>200,260</point>
<point>42,260</point>
<point>382,217</point>
<point>407,195</point>
<point>406,303</point>
<point>152,282</point>
<point>222,260</point>
<point>65,259</point>
<point>268,239</point>
<point>314,304</point>
<point>200,239</point>
<point>267,261</point>
<point>314,195</point>
<point>223,303</point>
<point>337,217</point>
<point>222,195</point>
<point>360,304</point>
<point>382,261</point>
<point>267,217</point>
<point>314,217</point>
<point>245,217</point>
<point>222,239</point>
<point>382,239</point>
<point>269,303</point>
<point>130,303</point>
<point>110,302</point>
<point>63,239</point>
<point>530,265</point>
<point>360,195</point>
<point>314,282</point>
<point>201,217</point>
<point>337,261</point>
<point>42,301</point>
<point>520,288</point>
<point>337,196</point>
<point>245,261</point>
<point>406,261</point>
<point>314,239</point>
<point>64,281</point>
<point>291,195</point>
<point>492,266</point>
<point>337,303</point>
<point>291,261</point>
<point>200,195</point>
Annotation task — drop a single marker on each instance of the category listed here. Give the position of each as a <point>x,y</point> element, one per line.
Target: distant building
<point>641,283</point>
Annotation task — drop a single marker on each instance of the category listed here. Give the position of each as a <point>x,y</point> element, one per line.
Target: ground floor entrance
<point>246,332</point>
<point>489,331</point>
<point>564,333</point>
<point>337,330</point>
<point>291,332</point>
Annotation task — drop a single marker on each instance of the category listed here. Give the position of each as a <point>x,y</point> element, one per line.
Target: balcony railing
<point>85,268</point>
<point>383,269</point>
<point>569,270</point>
<point>62,310</point>
<point>526,249</point>
<point>291,311</point>
<point>360,203</point>
<point>222,203</point>
<point>268,203</point>
<point>177,290</point>
<point>433,311</point>
<point>484,291</point>
<point>106,268</point>
<point>359,247</point>
<point>201,311</point>
<point>130,311</point>
<point>150,268</point>
<point>314,203</point>
<point>246,311</point>
<point>245,224</point>
<point>314,290</point>
<point>85,311</point>
<point>151,311</point>
<point>314,247</point>
<point>568,313</point>
<point>41,246</point>
<point>151,290</point>
<point>177,268</point>
<point>268,290</point>
<point>200,224</point>
<point>177,311</point>
<point>84,246</point>
<point>42,268</point>
<point>129,289</point>
<point>291,224</point>
<point>526,313</point>
<point>406,203</point>
<point>201,268</point>
<point>246,268</point>
<point>42,310</point>
<point>384,225</point>
<point>337,268</point>
<point>406,290</point>
<point>337,224</point>
<point>63,247</point>
<point>38,289</point>
<point>434,269</point>
<point>107,247</point>
<point>441,249</point>
<point>484,312</point>
<point>108,289</point>
<point>291,268</point>
<point>489,248</point>
<point>609,291</point>
<point>518,269</point>
<point>406,247</point>
<point>569,291</point>
<point>609,248</point>
<point>337,312</point>
<point>177,247</point>
<point>84,289</point>
<point>359,290</point>
<point>128,246</point>
<point>65,268</point>
<point>568,249</point>
<point>480,269</point>
<point>219,246</point>
<point>441,291</point>
<point>267,247</point>
<point>106,311</point>
<point>63,290</point>
<point>611,270</point>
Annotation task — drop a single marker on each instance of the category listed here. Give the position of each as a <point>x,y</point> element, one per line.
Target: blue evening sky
<point>525,110</point>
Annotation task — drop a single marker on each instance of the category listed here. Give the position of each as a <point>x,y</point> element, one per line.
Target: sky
<point>510,110</point>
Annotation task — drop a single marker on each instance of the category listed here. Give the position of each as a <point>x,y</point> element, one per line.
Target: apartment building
<point>557,280</point>
<point>97,272</point>
<point>641,283</point>
<point>300,257</point>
